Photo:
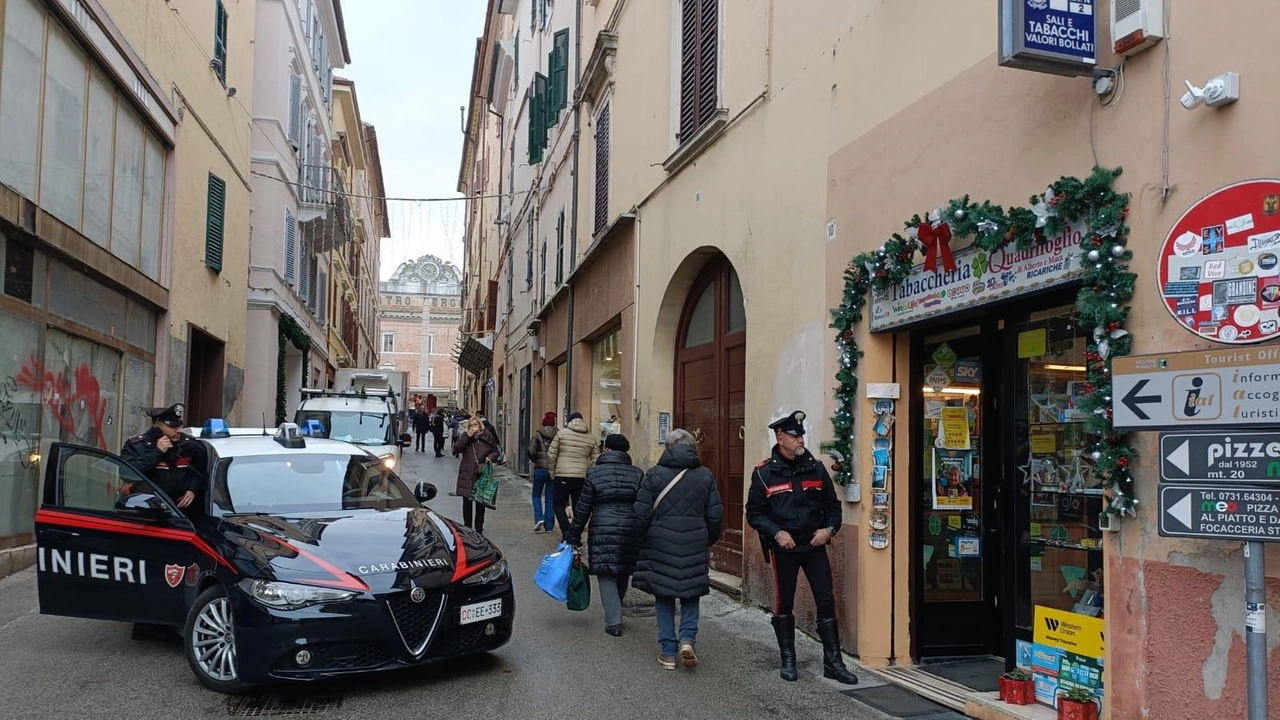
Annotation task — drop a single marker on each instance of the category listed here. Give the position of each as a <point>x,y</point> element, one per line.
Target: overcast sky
<point>411,61</point>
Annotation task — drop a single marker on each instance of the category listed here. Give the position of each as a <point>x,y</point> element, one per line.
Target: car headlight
<point>288,596</point>
<point>493,573</point>
<point>389,461</point>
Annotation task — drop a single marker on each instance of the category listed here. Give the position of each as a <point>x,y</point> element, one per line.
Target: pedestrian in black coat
<point>680,527</point>
<point>608,503</point>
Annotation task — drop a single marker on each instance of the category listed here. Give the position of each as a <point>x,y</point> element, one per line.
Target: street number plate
<point>480,611</point>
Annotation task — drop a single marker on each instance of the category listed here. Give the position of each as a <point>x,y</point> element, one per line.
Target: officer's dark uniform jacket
<point>793,495</point>
<point>174,472</point>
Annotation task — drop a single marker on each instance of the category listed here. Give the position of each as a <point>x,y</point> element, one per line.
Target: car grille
<point>415,621</point>
<point>459,640</point>
<point>354,656</point>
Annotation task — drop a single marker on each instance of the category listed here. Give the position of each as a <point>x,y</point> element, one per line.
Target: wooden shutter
<point>314,271</point>
<point>295,110</point>
<point>323,287</point>
<point>602,168</point>
<point>560,249</point>
<point>560,69</point>
<point>698,54</point>
<point>528,264</point>
<point>215,223</point>
<point>220,41</point>
<point>290,248</point>
<point>304,270</point>
<point>707,47</point>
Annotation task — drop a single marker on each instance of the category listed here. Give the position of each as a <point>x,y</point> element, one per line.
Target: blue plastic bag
<point>553,574</point>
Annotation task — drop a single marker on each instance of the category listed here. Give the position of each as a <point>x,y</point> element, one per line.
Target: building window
<point>430,344</point>
<point>698,53</point>
<point>388,342</point>
<point>511,300</point>
<point>431,377</point>
<point>560,249</point>
<point>528,257</point>
<point>538,105</point>
<point>215,222</point>
<point>542,278</point>
<point>558,63</point>
<point>602,168</point>
<point>220,42</point>
<point>606,383</point>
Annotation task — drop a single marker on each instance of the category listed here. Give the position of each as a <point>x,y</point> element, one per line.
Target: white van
<point>368,418</point>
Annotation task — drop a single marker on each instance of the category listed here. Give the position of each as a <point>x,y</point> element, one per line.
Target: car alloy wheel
<point>209,640</point>
<point>214,640</point>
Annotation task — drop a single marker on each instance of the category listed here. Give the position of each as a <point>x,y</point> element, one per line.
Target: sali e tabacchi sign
<point>980,277</point>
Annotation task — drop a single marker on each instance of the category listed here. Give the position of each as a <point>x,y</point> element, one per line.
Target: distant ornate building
<point>421,314</point>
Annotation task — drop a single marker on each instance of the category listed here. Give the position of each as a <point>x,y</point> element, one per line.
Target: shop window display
<point>606,388</point>
<point>1063,545</point>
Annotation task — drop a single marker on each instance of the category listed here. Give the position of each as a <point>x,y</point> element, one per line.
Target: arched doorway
<point>710,374</point>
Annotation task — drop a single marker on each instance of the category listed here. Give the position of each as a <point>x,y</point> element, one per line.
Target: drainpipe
<point>573,222</point>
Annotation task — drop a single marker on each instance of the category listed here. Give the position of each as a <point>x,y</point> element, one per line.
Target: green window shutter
<point>535,127</point>
<point>542,107</point>
<point>216,223</point>
<point>560,69</point>
<point>553,100</point>
<point>220,42</point>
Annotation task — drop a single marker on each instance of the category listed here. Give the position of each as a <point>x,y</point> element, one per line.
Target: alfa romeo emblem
<point>417,594</point>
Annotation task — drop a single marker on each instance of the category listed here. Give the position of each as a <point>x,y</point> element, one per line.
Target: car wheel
<point>210,642</point>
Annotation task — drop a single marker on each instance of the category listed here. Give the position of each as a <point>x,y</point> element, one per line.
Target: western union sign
<point>1079,634</point>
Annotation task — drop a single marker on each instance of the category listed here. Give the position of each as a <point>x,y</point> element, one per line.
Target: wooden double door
<point>711,363</point>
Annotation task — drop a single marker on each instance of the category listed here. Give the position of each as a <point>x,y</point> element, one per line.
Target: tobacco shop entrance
<point>1002,498</point>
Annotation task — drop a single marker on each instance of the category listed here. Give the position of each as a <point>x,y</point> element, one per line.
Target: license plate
<point>480,611</point>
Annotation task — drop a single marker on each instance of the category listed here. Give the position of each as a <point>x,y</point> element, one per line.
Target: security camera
<point>1221,90</point>
<point>1193,98</point>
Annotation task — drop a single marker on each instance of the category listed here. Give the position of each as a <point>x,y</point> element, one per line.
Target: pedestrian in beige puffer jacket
<point>572,452</point>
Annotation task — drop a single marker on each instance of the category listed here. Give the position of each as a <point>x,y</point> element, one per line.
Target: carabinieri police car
<point>301,558</point>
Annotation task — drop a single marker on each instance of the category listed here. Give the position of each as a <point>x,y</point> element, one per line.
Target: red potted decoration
<point>1076,704</point>
<point>1017,688</point>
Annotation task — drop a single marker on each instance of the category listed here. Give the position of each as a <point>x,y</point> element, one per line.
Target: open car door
<point>110,545</point>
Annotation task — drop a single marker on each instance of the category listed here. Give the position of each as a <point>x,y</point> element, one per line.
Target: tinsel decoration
<point>290,332</point>
<point>1102,305</point>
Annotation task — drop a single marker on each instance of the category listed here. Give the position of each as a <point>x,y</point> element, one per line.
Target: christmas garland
<point>1102,303</point>
<point>291,332</point>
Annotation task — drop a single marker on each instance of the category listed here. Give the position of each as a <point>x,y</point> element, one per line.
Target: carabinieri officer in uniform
<point>794,507</point>
<point>165,456</point>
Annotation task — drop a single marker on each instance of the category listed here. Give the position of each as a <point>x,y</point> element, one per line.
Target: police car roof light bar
<point>290,436</point>
<point>215,428</point>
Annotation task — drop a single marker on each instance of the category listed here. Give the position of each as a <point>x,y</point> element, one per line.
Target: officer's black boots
<point>784,626</point>
<point>832,663</point>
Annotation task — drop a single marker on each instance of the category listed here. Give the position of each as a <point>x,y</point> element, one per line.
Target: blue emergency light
<point>215,428</point>
<point>313,428</point>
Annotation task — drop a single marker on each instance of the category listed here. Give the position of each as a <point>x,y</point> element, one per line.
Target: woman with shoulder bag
<point>476,446</point>
<point>607,502</point>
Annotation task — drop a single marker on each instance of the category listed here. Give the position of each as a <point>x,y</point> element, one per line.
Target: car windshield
<point>303,482</point>
<point>360,428</point>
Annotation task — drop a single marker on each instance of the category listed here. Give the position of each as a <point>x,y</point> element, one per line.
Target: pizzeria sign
<point>980,277</point>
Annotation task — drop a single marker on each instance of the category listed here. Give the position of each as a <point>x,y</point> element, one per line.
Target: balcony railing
<point>324,217</point>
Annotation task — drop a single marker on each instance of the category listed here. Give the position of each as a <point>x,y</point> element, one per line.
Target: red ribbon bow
<point>937,242</point>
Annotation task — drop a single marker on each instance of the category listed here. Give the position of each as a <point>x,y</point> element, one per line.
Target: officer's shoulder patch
<point>763,463</point>
<point>137,438</point>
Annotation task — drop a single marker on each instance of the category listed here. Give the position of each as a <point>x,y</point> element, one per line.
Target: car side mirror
<point>424,492</point>
<point>143,504</point>
<point>406,440</point>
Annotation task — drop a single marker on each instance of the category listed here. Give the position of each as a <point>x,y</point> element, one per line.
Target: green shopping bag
<point>485,488</point>
<point>579,589</point>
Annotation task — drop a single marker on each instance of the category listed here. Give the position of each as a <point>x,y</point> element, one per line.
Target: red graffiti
<point>63,395</point>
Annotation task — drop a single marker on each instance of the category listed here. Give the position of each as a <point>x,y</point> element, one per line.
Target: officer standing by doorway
<point>793,505</point>
<point>166,456</point>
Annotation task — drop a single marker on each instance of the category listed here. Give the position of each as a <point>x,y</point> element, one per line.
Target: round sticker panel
<point>1220,264</point>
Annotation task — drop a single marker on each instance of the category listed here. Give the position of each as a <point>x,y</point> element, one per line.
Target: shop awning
<point>476,356</point>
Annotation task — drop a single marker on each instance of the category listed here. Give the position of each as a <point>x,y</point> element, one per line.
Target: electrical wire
<point>454,219</point>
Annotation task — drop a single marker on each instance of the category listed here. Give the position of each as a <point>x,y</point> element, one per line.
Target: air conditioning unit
<point>1136,25</point>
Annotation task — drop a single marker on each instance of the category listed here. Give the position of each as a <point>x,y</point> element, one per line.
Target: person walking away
<point>608,504</point>
<point>476,446</point>
<point>793,505</point>
<point>421,426</point>
<point>543,487</point>
<point>571,453</point>
<point>437,429</point>
<point>679,508</point>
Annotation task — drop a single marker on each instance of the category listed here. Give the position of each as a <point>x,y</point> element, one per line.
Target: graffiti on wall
<point>13,426</point>
<point>74,399</point>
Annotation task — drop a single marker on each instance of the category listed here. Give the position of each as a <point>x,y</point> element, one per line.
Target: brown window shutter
<point>602,169</point>
<point>707,40</point>
<point>491,307</point>
<point>689,69</point>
